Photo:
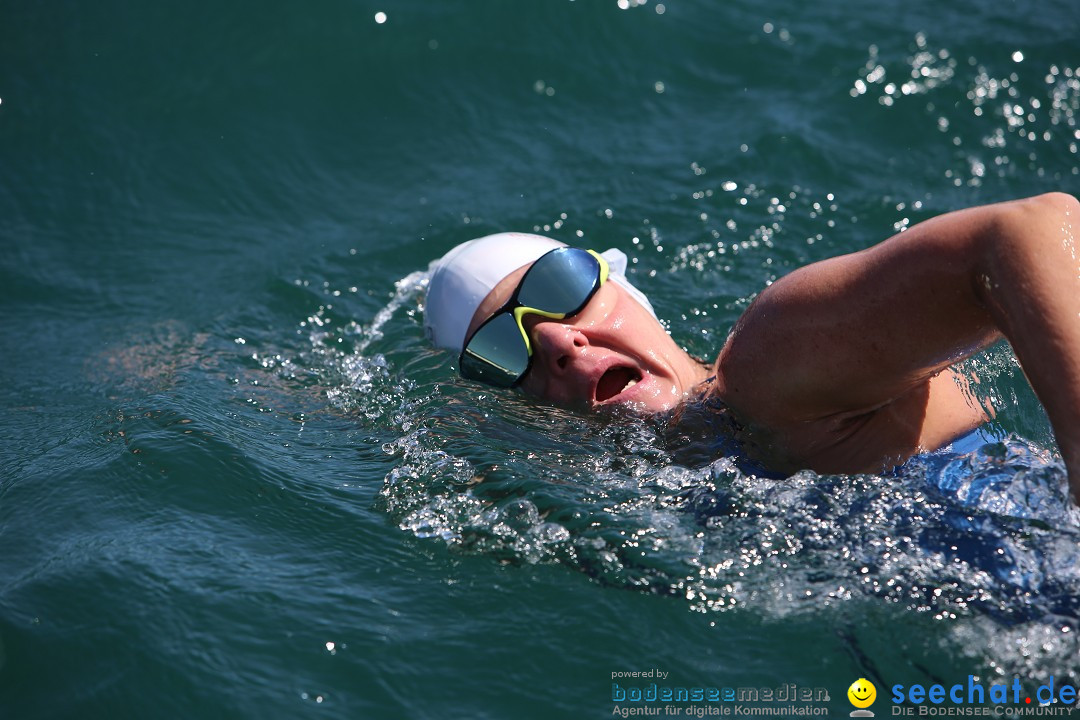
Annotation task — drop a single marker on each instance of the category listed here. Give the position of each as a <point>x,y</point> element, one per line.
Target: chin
<point>658,405</point>
<point>659,398</point>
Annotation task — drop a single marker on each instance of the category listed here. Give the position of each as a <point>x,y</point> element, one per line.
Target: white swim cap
<point>461,279</point>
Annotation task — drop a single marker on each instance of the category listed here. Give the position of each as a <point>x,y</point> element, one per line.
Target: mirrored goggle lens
<point>496,354</point>
<point>560,282</point>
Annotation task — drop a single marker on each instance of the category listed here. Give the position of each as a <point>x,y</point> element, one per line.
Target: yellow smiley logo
<point>862,693</point>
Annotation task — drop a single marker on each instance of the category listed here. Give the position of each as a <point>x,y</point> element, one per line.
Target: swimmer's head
<point>611,351</point>
<point>461,279</point>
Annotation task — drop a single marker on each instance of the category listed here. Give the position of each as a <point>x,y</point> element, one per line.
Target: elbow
<point>1026,242</point>
<point>1034,217</point>
<point>1059,203</point>
<point>1051,218</point>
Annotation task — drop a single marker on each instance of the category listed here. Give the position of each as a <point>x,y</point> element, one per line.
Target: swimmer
<point>843,366</point>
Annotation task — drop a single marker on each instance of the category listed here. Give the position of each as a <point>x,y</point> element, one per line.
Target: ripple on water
<point>984,542</point>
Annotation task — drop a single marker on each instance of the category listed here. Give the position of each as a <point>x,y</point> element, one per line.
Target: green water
<point>235,482</point>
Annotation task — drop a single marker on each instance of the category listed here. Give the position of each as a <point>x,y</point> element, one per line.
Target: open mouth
<point>616,381</point>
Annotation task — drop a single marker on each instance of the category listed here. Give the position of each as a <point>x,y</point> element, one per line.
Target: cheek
<point>539,385</point>
<point>563,392</point>
<point>533,384</point>
<point>604,307</point>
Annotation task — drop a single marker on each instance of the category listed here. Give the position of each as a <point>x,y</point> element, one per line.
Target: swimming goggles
<point>558,285</point>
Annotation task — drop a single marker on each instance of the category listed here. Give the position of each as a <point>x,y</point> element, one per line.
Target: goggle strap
<point>604,268</point>
<point>521,311</point>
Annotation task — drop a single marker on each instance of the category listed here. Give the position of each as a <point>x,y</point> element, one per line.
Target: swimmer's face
<point>613,352</point>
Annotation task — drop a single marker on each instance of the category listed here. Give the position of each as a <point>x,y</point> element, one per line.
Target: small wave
<point>983,541</point>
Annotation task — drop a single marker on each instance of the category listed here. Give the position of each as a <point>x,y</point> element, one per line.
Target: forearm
<point>1029,281</point>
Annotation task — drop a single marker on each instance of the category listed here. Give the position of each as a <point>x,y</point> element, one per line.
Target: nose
<point>556,345</point>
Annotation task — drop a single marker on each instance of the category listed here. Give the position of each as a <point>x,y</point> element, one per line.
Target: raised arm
<point>846,360</point>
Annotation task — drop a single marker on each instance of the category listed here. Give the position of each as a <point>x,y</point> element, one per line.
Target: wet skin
<point>846,365</point>
<point>613,352</point>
